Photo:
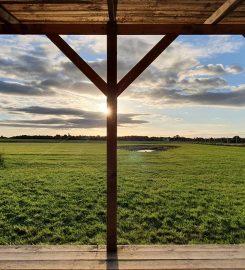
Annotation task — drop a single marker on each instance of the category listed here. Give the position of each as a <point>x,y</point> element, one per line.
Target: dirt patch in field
<point>147,148</point>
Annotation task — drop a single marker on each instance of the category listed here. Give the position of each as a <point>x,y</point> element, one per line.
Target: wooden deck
<point>128,257</point>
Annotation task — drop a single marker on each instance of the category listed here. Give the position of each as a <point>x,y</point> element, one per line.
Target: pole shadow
<point>112,260</point>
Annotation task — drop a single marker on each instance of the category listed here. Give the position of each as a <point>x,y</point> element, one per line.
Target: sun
<point>104,109</point>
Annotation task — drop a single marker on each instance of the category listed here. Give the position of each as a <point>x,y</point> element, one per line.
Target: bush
<point>2,160</point>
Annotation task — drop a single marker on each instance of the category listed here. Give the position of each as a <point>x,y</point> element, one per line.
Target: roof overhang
<point>133,17</point>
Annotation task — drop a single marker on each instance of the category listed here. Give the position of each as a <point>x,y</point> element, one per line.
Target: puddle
<point>145,151</point>
<point>147,148</point>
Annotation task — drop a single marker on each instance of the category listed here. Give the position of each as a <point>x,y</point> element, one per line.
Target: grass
<point>1,160</point>
<point>55,193</point>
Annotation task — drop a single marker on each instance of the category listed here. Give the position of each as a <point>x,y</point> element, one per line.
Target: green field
<point>55,193</point>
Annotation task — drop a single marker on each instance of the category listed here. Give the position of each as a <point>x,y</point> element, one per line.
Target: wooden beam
<point>51,28</point>
<point>223,11</point>
<point>112,137</point>
<point>42,1</point>
<point>6,16</point>
<point>181,29</point>
<point>112,10</point>
<point>78,62</point>
<point>145,62</point>
<point>123,29</point>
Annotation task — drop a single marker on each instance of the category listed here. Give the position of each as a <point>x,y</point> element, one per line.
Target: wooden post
<point>112,137</point>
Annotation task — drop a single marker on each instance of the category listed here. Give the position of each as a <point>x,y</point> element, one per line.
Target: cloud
<point>198,84</point>
<point>69,118</point>
<point>234,97</point>
<point>87,44</point>
<point>36,67</point>
<point>215,70</point>
<point>11,88</point>
<point>177,77</point>
<point>48,110</point>
<point>57,123</point>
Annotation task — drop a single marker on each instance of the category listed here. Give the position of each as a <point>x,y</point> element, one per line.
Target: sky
<point>195,88</point>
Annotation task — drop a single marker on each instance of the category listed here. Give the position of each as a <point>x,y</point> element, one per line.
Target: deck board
<point>193,257</point>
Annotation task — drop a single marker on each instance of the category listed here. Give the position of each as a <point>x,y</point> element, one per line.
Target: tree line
<point>176,138</point>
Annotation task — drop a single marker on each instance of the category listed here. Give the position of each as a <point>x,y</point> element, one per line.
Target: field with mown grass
<point>55,193</point>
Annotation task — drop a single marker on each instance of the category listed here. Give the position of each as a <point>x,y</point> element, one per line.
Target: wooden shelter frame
<point>112,88</point>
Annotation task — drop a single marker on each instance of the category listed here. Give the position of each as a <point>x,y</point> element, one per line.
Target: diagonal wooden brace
<point>145,62</point>
<point>79,62</point>
<point>223,11</point>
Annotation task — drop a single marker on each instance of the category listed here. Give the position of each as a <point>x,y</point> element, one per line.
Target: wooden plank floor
<point>201,257</point>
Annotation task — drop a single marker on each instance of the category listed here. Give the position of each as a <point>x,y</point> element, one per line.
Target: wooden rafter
<point>123,29</point>
<point>112,10</point>
<point>223,11</point>
<point>6,16</point>
<point>145,62</point>
<point>78,62</point>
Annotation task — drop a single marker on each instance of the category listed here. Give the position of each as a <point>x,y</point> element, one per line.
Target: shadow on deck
<point>128,257</point>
